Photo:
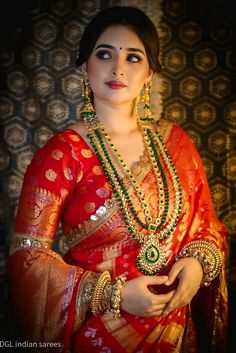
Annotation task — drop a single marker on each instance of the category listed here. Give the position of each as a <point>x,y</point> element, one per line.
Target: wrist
<point>207,255</point>
<point>106,295</point>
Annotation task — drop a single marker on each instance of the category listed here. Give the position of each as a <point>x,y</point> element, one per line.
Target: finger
<point>165,298</point>
<point>160,298</point>
<point>155,313</point>
<point>176,301</point>
<point>173,274</point>
<point>158,307</point>
<point>152,280</point>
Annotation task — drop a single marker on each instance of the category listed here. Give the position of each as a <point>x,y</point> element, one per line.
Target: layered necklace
<point>151,258</point>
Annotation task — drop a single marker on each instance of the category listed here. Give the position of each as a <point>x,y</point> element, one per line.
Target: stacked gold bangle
<point>207,254</point>
<point>116,295</point>
<point>97,306</point>
<point>106,296</point>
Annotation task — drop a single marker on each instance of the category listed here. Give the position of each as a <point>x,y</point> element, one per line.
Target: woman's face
<point>118,66</point>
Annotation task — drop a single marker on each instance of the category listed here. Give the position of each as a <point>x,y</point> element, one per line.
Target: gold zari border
<point>20,240</point>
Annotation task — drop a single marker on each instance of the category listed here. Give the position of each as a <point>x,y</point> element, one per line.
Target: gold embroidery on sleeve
<point>50,175</point>
<point>86,153</point>
<point>20,240</point>
<point>57,154</point>
<point>38,213</point>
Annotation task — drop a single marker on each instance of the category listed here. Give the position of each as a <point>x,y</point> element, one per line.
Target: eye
<point>103,54</point>
<point>133,58</point>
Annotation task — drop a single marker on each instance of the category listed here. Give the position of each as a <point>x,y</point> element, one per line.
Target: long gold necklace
<point>151,257</point>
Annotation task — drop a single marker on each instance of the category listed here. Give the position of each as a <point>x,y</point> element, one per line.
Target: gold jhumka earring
<point>87,109</point>
<point>147,112</point>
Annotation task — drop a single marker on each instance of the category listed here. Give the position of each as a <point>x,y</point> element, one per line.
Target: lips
<point>115,84</point>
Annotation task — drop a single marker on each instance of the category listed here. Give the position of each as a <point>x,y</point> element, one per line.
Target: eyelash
<point>101,55</point>
<point>137,58</point>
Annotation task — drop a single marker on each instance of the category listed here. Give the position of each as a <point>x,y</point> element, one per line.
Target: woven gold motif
<point>34,217</point>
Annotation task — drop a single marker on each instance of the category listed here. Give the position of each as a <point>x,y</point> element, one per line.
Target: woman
<point>145,265</point>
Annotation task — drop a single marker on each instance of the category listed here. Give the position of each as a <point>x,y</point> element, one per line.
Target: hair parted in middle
<point>131,17</point>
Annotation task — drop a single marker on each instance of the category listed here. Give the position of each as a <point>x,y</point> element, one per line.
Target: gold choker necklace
<point>151,257</point>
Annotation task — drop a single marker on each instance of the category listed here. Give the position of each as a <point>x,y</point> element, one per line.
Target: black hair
<point>131,17</point>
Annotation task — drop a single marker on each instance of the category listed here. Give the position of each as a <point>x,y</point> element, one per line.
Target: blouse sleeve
<point>44,287</point>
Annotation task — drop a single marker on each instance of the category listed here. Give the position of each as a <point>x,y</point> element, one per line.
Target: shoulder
<point>177,141</point>
<point>65,140</point>
<point>61,147</point>
<point>168,130</point>
<point>79,129</point>
<point>172,132</point>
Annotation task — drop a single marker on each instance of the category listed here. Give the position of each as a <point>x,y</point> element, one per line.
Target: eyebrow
<point>108,46</point>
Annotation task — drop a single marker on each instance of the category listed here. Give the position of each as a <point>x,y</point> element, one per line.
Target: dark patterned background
<point>39,96</point>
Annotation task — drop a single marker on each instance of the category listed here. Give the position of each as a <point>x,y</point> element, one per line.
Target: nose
<point>118,67</point>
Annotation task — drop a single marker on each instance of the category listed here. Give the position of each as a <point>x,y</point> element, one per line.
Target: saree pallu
<point>65,181</point>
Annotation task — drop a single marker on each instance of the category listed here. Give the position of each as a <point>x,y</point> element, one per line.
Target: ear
<point>83,69</point>
<point>149,78</point>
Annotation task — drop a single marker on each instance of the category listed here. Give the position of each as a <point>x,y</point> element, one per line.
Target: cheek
<point>140,76</point>
<point>94,69</point>
<point>92,72</point>
<point>139,81</point>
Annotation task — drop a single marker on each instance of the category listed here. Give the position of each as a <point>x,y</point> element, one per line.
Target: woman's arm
<point>44,287</point>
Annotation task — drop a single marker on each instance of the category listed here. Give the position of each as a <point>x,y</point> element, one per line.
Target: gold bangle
<point>106,297</point>
<point>84,295</point>
<point>207,254</point>
<point>97,305</point>
<point>116,295</point>
<point>86,287</point>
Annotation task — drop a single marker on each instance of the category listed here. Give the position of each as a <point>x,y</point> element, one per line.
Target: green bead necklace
<point>151,257</point>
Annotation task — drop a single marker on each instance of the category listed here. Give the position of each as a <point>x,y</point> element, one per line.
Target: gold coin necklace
<point>151,258</point>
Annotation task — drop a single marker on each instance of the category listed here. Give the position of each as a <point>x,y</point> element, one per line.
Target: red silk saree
<point>65,182</point>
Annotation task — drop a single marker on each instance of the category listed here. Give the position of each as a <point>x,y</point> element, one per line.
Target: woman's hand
<point>138,300</point>
<point>189,273</point>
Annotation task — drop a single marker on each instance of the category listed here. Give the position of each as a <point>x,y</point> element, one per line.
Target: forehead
<point>122,36</point>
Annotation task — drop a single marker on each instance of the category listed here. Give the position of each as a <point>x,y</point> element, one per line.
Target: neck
<point>120,119</point>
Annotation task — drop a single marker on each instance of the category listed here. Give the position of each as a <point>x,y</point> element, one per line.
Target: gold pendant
<point>151,258</point>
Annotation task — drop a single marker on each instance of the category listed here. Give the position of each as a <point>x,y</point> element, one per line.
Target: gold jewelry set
<point>151,258</point>
<point>106,296</point>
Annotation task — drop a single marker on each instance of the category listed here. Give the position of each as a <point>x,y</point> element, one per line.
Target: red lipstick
<point>115,84</point>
